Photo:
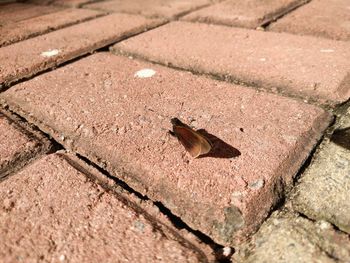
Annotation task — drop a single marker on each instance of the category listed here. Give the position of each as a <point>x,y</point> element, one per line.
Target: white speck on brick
<point>62,258</point>
<point>227,251</point>
<point>50,53</point>
<point>327,50</point>
<point>145,73</point>
<point>262,59</point>
<point>257,184</point>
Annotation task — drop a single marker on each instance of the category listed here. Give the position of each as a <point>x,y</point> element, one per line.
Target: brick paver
<point>105,112</point>
<point>323,191</point>
<point>303,66</point>
<point>321,18</point>
<point>28,57</point>
<point>14,12</point>
<point>286,237</point>
<point>249,13</point>
<point>150,8</point>
<point>15,32</point>
<point>18,146</point>
<point>55,211</point>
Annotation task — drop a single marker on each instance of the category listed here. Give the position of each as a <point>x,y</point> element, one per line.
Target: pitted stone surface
<point>102,110</point>
<point>28,57</point>
<point>323,190</point>
<point>302,66</point>
<point>249,13</point>
<point>14,32</point>
<point>52,211</point>
<point>320,18</point>
<point>286,238</point>
<point>150,8</point>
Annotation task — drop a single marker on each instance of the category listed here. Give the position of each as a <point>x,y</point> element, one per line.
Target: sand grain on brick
<point>303,66</point>
<point>15,32</point>
<point>320,18</point>
<point>249,14</point>
<point>28,57</point>
<point>104,111</point>
<point>57,214</point>
<point>150,8</point>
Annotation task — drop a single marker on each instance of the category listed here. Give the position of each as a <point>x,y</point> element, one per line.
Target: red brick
<point>28,57</point>
<point>301,66</point>
<point>15,12</point>
<point>55,212</point>
<point>101,110</point>
<point>14,32</point>
<point>151,8</point>
<point>320,18</point>
<point>249,14</point>
<point>18,146</point>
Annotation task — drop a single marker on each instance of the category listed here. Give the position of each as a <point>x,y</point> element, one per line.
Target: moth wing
<point>193,142</point>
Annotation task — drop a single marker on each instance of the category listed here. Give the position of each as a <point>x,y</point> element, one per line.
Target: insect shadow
<point>341,137</point>
<point>220,149</point>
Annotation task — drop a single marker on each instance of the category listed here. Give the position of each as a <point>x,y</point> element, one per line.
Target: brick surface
<point>106,113</point>
<point>323,191</point>
<point>18,146</point>
<point>14,12</point>
<point>28,57</point>
<point>249,14</point>
<point>286,237</point>
<point>57,213</point>
<point>321,18</point>
<point>151,8</point>
<point>72,3</point>
<point>15,32</point>
<point>302,66</point>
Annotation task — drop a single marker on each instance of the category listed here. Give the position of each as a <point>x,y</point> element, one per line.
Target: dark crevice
<point>177,222</point>
<point>267,24</point>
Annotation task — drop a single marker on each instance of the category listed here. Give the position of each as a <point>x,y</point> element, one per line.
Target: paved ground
<point>89,171</point>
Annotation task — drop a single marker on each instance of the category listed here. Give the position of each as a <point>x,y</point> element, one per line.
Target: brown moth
<point>194,142</point>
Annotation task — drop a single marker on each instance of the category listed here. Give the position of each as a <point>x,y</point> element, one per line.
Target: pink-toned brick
<point>28,57</point>
<point>151,8</point>
<point>320,18</point>
<point>14,12</point>
<point>102,110</point>
<point>14,32</point>
<point>249,13</point>
<point>18,145</point>
<point>54,210</point>
<point>72,3</point>
<point>301,66</point>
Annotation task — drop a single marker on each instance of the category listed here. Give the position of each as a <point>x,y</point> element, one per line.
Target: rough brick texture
<point>105,112</point>
<point>151,8</point>
<point>14,32</point>
<point>249,13</point>
<point>28,57</point>
<point>302,66</point>
<point>18,145</point>
<point>15,12</point>
<point>321,18</point>
<point>52,212</point>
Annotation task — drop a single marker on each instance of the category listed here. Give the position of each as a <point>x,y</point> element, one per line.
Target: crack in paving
<point>297,6</point>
